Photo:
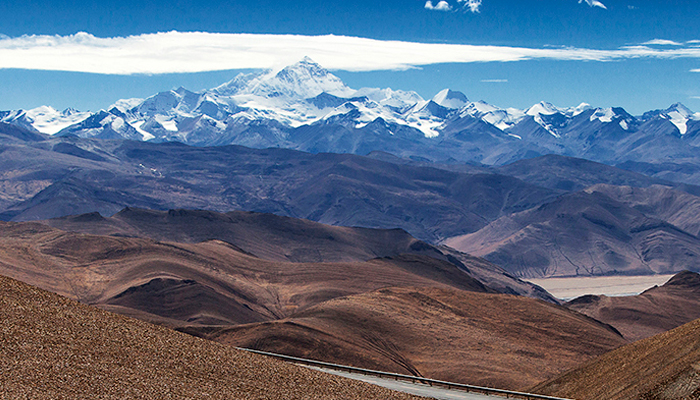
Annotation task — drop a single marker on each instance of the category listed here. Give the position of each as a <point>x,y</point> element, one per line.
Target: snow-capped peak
<point>679,115</point>
<point>239,84</point>
<point>603,115</point>
<point>581,108</point>
<point>451,99</point>
<point>542,108</point>
<point>46,119</point>
<point>303,80</point>
<point>680,109</point>
<point>501,119</point>
<point>397,99</point>
<point>125,105</point>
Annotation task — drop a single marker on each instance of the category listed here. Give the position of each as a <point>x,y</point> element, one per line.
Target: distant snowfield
<point>570,288</point>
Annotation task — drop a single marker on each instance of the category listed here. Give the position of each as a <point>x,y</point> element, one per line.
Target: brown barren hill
<point>655,311</point>
<point>210,283</point>
<point>284,239</point>
<point>662,367</point>
<point>267,236</point>
<point>476,338</point>
<point>53,347</point>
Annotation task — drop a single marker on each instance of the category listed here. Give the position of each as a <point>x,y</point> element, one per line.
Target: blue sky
<point>550,50</point>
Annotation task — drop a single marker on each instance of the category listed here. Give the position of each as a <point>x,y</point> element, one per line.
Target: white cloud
<point>593,3</point>
<point>440,6</point>
<point>174,52</point>
<point>494,80</point>
<point>471,5</point>
<point>695,70</point>
<point>662,42</point>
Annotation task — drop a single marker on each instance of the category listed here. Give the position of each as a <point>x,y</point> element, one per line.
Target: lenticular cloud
<point>183,52</point>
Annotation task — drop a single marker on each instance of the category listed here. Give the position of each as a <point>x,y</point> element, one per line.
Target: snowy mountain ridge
<point>271,109</point>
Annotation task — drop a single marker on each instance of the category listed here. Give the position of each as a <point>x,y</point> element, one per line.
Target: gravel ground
<point>662,367</point>
<point>54,348</point>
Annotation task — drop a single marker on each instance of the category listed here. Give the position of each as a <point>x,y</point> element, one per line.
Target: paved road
<point>412,388</point>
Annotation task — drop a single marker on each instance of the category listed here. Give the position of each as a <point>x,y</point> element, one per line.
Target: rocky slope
<point>664,366</point>
<point>54,347</point>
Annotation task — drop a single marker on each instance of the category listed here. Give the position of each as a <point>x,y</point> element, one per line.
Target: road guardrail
<point>415,379</point>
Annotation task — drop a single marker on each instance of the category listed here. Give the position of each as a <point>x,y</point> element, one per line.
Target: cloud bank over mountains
<point>187,52</point>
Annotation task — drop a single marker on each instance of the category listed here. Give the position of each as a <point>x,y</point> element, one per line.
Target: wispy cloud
<point>494,80</point>
<point>470,5</point>
<point>174,52</point>
<point>443,5</point>
<point>475,5</point>
<point>440,6</point>
<point>695,70</point>
<point>662,42</point>
<point>593,3</point>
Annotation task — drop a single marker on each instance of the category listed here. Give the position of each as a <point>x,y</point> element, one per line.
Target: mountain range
<point>546,216</point>
<point>305,107</point>
<point>59,176</point>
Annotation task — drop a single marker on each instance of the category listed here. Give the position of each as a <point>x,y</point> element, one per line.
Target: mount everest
<point>304,107</point>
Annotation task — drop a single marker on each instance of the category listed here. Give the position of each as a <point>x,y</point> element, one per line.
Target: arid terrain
<point>491,340</point>
<point>662,367</point>
<point>53,347</point>
<point>657,310</point>
<point>392,313</point>
<point>285,239</point>
<point>212,282</point>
